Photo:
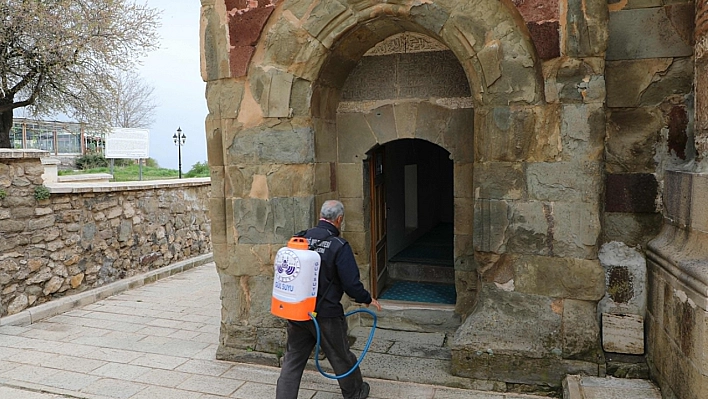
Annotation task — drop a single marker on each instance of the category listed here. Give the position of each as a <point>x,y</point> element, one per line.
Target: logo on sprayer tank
<point>287,266</point>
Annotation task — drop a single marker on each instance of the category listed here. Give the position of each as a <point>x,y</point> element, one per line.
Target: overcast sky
<point>179,90</point>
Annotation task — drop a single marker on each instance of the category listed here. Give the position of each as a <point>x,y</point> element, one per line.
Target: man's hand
<point>376,304</point>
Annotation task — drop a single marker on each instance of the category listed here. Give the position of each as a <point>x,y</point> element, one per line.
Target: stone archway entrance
<point>411,94</point>
<point>413,238</point>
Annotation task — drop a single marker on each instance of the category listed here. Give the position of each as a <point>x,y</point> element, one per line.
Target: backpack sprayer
<point>295,292</point>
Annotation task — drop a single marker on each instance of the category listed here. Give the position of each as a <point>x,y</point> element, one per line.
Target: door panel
<point>379,270</point>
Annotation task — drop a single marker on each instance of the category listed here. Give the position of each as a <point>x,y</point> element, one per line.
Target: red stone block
<point>236,4</point>
<point>245,28</point>
<point>631,193</point>
<point>683,20</point>
<point>538,10</point>
<point>546,39</point>
<point>239,57</point>
<point>678,137</point>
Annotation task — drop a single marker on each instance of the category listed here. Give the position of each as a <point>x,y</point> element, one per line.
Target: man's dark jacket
<point>338,268</point>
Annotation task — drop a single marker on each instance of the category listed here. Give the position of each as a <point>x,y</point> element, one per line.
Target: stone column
<point>537,199</point>
<point>701,83</point>
<point>677,310</point>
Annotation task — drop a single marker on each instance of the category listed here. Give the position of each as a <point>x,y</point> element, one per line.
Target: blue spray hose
<point>363,353</point>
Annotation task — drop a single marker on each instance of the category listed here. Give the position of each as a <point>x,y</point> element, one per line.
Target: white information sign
<point>128,143</point>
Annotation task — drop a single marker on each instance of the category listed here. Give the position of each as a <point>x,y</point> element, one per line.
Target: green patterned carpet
<point>420,292</point>
<point>434,248</point>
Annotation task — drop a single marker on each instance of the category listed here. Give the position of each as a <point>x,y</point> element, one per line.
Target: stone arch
<point>444,118</point>
<point>321,42</point>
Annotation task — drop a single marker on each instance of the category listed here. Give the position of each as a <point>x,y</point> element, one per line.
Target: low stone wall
<point>87,235</point>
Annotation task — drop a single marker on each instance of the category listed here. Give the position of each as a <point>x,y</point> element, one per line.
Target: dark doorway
<point>413,180</point>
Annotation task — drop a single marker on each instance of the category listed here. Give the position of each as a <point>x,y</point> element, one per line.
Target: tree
<point>132,102</point>
<point>63,56</point>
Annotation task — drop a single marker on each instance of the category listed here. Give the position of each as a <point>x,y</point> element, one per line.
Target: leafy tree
<point>151,163</point>
<point>199,169</point>
<point>63,56</point>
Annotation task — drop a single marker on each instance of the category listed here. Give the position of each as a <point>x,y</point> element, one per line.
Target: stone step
<point>417,317</point>
<point>584,387</point>
<point>421,272</point>
<point>406,356</point>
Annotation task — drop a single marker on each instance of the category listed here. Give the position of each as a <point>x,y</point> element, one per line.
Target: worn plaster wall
<point>528,173</point>
<point>85,237</point>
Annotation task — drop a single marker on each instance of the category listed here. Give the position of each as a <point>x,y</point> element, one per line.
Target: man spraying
<point>339,274</point>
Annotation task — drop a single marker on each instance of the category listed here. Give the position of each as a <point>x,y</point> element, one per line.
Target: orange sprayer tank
<point>295,282</point>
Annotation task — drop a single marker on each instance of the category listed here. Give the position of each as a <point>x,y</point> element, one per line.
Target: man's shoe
<point>364,391</point>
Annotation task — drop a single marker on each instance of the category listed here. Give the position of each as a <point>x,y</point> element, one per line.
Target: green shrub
<point>151,162</point>
<point>199,169</point>
<point>41,193</point>
<point>118,162</point>
<point>3,194</point>
<point>91,161</point>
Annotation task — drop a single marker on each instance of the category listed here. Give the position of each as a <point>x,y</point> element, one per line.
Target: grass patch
<point>129,173</point>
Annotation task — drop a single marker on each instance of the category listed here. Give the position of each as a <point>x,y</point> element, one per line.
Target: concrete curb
<point>62,305</point>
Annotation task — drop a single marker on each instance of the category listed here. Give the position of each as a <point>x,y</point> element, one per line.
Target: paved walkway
<point>152,342</point>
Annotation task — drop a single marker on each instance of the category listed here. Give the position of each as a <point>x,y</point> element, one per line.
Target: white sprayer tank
<point>295,282</point>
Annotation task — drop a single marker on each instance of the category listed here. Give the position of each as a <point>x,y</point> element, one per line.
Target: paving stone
<point>211,385</point>
<point>163,392</point>
<point>112,355</point>
<point>69,380</point>
<point>120,371</point>
<point>205,367</point>
<point>60,362</point>
<point>159,361</point>
<point>7,365</point>
<point>114,388</point>
<point>251,390</point>
<point>16,393</point>
<point>29,373</point>
<point>442,393</point>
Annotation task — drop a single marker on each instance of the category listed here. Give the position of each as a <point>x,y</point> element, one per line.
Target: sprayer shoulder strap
<point>331,280</point>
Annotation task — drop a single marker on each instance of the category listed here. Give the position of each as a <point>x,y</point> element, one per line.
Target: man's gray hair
<point>331,210</point>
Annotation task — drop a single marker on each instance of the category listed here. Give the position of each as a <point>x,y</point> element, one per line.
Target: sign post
<point>128,143</point>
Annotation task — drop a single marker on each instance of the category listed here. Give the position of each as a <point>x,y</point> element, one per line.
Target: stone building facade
<point>84,236</point>
<point>563,135</point>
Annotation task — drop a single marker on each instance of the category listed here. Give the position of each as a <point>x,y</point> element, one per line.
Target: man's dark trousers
<point>334,343</point>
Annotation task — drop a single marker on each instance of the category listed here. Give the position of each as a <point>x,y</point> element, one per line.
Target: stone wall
<point>87,235</point>
<point>649,74</point>
<point>649,108</point>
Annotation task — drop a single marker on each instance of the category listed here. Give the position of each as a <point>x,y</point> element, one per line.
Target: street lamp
<point>179,138</point>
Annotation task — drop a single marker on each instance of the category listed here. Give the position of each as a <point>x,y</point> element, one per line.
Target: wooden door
<point>379,270</point>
